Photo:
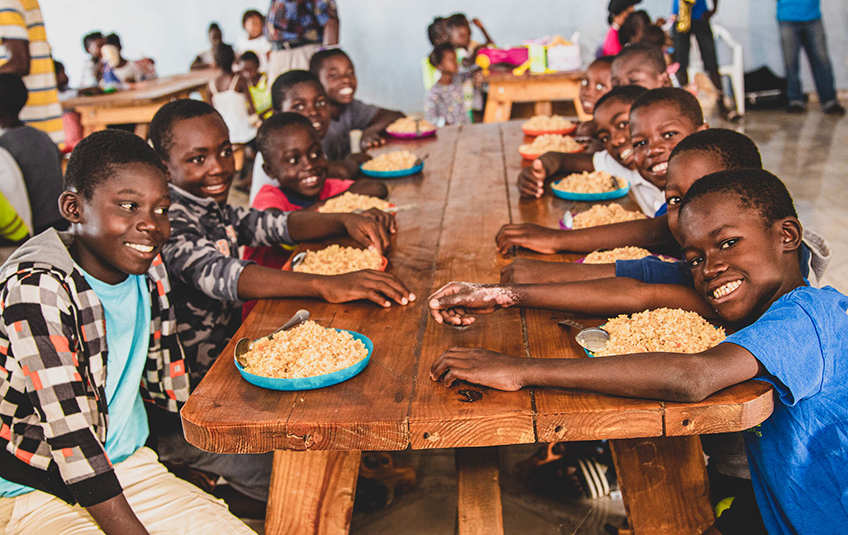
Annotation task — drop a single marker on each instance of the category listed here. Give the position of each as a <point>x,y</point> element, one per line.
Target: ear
<point>268,171</point>
<point>705,126</point>
<point>71,206</point>
<point>665,79</point>
<point>791,234</point>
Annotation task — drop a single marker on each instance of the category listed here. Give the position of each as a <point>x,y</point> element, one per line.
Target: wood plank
<point>737,408</point>
<point>477,206</point>
<point>312,492</point>
<point>146,92</point>
<point>479,488</point>
<point>664,485</point>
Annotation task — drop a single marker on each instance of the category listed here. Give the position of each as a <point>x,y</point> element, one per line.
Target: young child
<point>596,82</point>
<point>72,422</point>
<point>335,70</point>
<point>206,59</point>
<point>459,33</point>
<point>231,97</point>
<point>92,43</point>
<point>253,39</point>
<point>126,71</point>
<point>35,153</point>
<point>640,64</point>
<point>446,101</point>
<point>257,84</point>
<point>437,33</point>
<point>618,13</point>
<point>741,238</point>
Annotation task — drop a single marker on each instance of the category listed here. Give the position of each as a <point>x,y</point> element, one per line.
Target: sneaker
<point>834,108</point>
<point>796,107</point>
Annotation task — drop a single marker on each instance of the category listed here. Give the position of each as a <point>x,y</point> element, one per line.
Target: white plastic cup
<point>355,141</point>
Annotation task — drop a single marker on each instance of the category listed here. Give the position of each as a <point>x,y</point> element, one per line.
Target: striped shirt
<point>21,19</point>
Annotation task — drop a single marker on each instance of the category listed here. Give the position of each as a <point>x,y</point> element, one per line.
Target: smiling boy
<point>640,64</point>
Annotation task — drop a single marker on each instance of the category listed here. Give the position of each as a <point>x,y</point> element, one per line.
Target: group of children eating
<point>142,295</point>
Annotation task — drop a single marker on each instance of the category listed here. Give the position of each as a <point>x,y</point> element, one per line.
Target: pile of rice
<point>619,253</point>
<point>398,160</point>
<point>304,351</point>
<point>585,182</point>
<point>605,214</point>
<point>545,123</point>
<point>663,329</point>
<point>335,260</point>
<point>406,125</point>
<point>348,202</point>
<point>551,143</point>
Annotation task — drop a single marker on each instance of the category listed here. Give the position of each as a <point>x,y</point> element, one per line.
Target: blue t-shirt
<point>798,10</point>
<point>127,309</point>
<point>799,456</point>
<point>697,10</point>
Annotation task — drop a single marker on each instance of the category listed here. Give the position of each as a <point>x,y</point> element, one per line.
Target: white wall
<point>387,38</point>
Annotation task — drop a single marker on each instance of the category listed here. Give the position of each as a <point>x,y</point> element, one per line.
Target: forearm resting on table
<point>259,282</point>
<point>310,226</point>
<point>382,119</point>
<point>116,517</point>
<point>641,233</point>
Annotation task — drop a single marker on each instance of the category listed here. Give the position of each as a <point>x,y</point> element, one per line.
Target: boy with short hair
<point>596,82</point>
<point>253,39</point>
<point>640,64</point>
<point>741,238</point>
<point>72,421</point>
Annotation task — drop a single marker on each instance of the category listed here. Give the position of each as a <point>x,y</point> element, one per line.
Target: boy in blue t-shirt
<point>741,238</point>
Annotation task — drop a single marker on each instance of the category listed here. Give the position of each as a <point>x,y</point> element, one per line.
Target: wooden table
<point>507,88</point>
<point>465,194</point>
<point>139,104</point>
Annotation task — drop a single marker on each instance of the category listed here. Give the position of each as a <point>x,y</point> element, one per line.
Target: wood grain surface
<point>480,507</point>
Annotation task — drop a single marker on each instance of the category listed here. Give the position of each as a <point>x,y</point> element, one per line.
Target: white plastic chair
<point>735,70</point>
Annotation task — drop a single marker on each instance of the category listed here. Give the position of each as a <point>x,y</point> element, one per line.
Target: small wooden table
<point>466,193</point>
<point>139,104</point>
<point>507,88</point>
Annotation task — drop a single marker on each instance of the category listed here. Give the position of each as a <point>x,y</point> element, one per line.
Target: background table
<point>507,88</point>
<point>139,104</point>
<point>465,194</point>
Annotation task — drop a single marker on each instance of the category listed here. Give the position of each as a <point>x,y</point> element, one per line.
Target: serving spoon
<point>246,344</point>
<point>592,339</point>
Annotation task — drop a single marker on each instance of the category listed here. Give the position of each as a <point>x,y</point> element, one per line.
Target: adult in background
<point>24,51</point>
<point>618,12</point>
<point>801,25</point>
<point>296,29</point>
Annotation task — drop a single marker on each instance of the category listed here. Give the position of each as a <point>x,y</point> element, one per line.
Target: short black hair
<point>13,94</point>
<point>456,20</point>
<point>114,40</point>
<point>728,147</point>
<point>224,56</point>
<point>213,26</point>
<point>250,55</point>
<point>606,60</point>
<point>438,53</point>
<point>628,94</point>
<point>286,81</point>
<point>93,36</point>
<point>755,189</point>
<point>436,30</point>
<point>251,13</point>
<point>633,25</point>
<point>316,62</point>
<point>654,36</point>
<point>94,159</point>
<point>647,54</point>
<point>272,125</point>
<point>162,124</point>
<point>684,101</point>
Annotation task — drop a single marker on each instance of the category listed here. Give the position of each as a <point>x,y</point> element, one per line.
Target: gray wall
<point>387,38</point>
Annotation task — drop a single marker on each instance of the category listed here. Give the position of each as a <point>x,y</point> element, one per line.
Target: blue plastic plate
<point>589,353</point>
<point>394,174</point>
<point>605,196</point>
<point>311,383</point>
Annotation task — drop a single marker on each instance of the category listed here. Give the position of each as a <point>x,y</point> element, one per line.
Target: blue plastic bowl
<point>311,383</point>
<point>588,197</point>
<point>394,174</point>
<point>589,353</point>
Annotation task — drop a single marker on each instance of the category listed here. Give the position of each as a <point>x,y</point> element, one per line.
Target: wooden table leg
<point>663,482</point>
<point>543,107</point>
<point>312,492</point>
<point>480,506</point>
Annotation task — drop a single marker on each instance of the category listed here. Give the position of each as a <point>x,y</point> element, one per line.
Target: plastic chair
<point>735,70</point>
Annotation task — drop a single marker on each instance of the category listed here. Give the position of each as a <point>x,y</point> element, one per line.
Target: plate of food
<point>539,125</point>
<point>549,143</point>
<point>349,202</point>
<point>610,256</point>
<point>670,330</point>
<point>336,260</point>
<point>594,186</point>
<point>393,164</point>
<point>305,357</point>
<point>411,128</point>
<point>599,214</point>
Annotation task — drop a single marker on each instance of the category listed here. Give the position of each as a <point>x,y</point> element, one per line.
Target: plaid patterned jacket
<point>53,413</point>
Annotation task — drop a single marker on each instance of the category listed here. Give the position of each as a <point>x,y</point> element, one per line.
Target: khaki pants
<point>163,503</point>
<point>289,59</point>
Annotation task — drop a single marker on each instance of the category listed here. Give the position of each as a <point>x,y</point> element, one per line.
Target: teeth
<point>316,125</point>
<point>140,248</point>
<point>309,181</point>
<point>626,153</point>
<point>660,167</point>
<point>346,91</point>
<point>726,289</point>
<point>587,106</point>
<point>215,189</point>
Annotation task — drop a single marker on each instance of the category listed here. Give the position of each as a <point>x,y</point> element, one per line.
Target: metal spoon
<point>298,259</point>
<point>246,344</point>
<point>593,339</point>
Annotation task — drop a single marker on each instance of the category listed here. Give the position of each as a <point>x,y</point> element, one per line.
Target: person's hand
<point>531,180</point>
<point>359,158</point>
<point>526,271</point>
<point>375,286</point>
<point>371,140</point>
<point>455,302</point>
<point>367,231</point>
<point>530,236</point>
<point>387,221</point>
<point>479,366</point>
<point>477,22</point>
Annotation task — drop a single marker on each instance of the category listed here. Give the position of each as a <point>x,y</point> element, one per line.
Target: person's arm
<point>116,517</point>
<point>479,24</point>
<point>332,27</point>
<point>684,377</point>
<point>311,226</point>
<point>348,168</point>
<point>243,88</point>
<point>527,271</point>
<point>648,233</point>
<point>383,118</point>
<point>532,180</point>
<point>17,50</point>
<point>374,188</point>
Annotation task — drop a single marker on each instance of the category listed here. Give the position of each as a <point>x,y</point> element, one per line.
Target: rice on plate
<point>605,214</point>
<point>410,125</point>
<point>551,143</point>
<point>594,182</point>
<point>335,260</point>
<point>545,123</point>
<point>348,202</point>
<point>661,330</point>
<point>398,160</point>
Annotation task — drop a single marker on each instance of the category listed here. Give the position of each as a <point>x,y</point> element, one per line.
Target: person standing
<point>296,29</point>
<point>800,24</point>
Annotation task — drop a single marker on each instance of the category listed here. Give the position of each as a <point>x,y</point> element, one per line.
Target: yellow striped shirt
<point>21,19</point>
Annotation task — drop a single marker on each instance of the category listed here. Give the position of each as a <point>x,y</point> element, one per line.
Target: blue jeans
<point>810,35</point>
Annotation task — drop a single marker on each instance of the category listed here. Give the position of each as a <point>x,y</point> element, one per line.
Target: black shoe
<point>796,108</point>
<point>834,108</point>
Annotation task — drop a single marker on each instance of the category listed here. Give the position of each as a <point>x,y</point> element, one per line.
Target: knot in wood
<point>470,396</point>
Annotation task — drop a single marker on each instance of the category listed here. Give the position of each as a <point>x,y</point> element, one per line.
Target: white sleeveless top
<point>233,108</point>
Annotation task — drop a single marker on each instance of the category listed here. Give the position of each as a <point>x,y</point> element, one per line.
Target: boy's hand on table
<point>366,230</point>
<point>531,180</point>
<point>359,158</point>
<point>375,286</point>
<point>385,220</point>
<point>455,302</point>
<point>530,236</point>
<point>371,140</point>
<point>479,366</point>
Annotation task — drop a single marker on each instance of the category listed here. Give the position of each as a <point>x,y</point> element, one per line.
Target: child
<point>126,71</point>
<point>596,83</point>
<point>231,97</point>
<point>335,70</point>
<point>35,153</point>
<point>618,12</point>
<point>92,68</point>
<point>257,84</point>
<point>292,155</point>
<point>253,40</point>
<point>640,64</point>
<point>73,422</point>
<point>437,33</point>
<point>459,32</point>
<point>446,102</point>
<point>741,237</point>
<point>206,59</point>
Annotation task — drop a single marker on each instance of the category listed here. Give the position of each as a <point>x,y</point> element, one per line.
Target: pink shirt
<point>611,44</point>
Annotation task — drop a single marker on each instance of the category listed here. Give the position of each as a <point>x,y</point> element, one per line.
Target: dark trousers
<point>703,33</point>
<point>810,35</point>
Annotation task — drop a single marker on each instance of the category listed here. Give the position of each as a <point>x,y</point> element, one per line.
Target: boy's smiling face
<point>596,83</point>
<point>339,79</point>
<point>123,226</point>
<point>654,132</point>
<point>613,119</point>
<point>200,160</point>
<point>634,71</point>
<point>308,99</point>
<point>683,170</point>
<point>297,161</point>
